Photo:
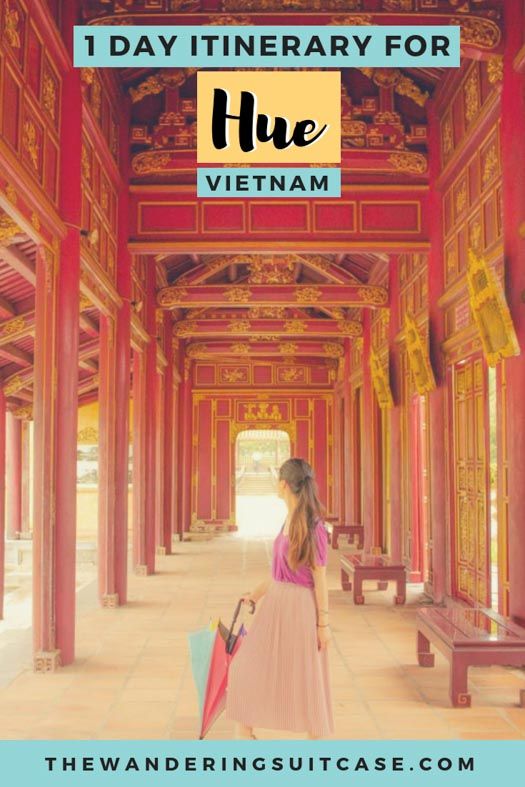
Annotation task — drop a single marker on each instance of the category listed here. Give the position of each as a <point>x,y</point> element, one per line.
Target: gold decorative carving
<point>49,95</point>
<point>333,350</point>
<point>350,327</point>
<point>14,384</point>
<point>238,294</point>
<point>172,296</point>
<point>30,142</point>
<point>11,21</point>
<point>185,328</point>
<point>418,357</point>
<point>263,272</point>
<point>292,375</point>
<point>87,75</point>
<point>461,198</point>
<point>495,69</point>
<point>35,221</point>
<point>168,77</point>
<point>288,348</point>
<point>267,312</point>
<point>490,165</point>
<point>12,327</point>
<point>150,161</point>
<point>239,326</point>
<point>378,296</point>
<point>289,5</point>
<point>24,413</point>
<point>490,310</point>
<point>475,235</point>
<point>448,137</point>
<point>96,97</point>
<point>11,194</point>
<point>86,164</point>
<point>234,375</point>
<point>472,97</point>
<point>409,162</point>
<point>224,19</point>
<point>9,229</point>
<point>240,349</point>
<point>479,31</point>
<point>353,20</point>
<point>380,381</point>
<point>295,326</point>
<point>407,87</point>
<point>308,295</point>
<point>88,436</point>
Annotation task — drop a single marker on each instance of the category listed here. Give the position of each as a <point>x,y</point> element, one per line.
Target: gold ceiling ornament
<point>380,381</point>
<point>333,350</point>
<point>49,95</point>
<point>196,350</point>
<point>165,78</point>
<point>418,356</point>
<point>407,87</point>
<point>264,272</point>
<point>402,84</point>
<point>87,75</point>
<point>240,348</point>
<point>12,327</point>
<point>267,312</point>
<point>292,374</point>
<point>495,69</point>
<point>377,296</point>
<point>87,436</point>
<point>353,19</point>
<point>478,31</point>
<point>24,413</point>
<point>472,96</point>
<point>290,5</point>
<point>9,229</point>
<point>239,294</point>
<point>239,326</point>
<point>350,327</point>
<point>397,5</point>
<point>30,142</point>
<point>288,348</point>
<point>490,165</point>
<point>149,162</point>
<point>264,338</point>
<point>224,19</point>
<point>490,310</point>
<point>185,328</point>
<point>14,385</point>
<point>234,375</point>
<point>308,294</point>
<point>11,193</point>
<point>11,21</point>
<point>295,326</point>
<point>409,162</point>
<point>172,296</point>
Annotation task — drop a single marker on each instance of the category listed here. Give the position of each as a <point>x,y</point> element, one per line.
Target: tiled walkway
<point>132,676</point>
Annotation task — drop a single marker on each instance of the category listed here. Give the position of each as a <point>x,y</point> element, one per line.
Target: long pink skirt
<point>278,679</point>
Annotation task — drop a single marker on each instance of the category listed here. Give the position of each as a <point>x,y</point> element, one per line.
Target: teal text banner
<point>267,46</point>
<point>268,182</point>
<point>482,763</point>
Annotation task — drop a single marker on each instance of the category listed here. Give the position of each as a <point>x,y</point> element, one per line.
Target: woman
<point>279,678</point>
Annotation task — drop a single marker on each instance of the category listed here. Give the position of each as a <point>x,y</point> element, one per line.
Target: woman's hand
<point>249,598</point>
<point>324,635</point>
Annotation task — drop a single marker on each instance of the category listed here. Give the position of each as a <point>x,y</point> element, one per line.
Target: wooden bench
<point>468,637</point>
<point>348,530</point>
<point>379,567</point>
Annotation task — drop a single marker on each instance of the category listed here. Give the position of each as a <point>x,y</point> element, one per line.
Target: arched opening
<point>258,455</point>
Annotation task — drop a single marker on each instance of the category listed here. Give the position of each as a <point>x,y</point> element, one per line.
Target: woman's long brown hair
<point>301,544</point>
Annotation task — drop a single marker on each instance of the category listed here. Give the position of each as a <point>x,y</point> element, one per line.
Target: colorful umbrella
<point>212,649</point>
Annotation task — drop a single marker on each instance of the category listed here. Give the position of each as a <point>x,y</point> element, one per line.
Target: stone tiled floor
<point>132,677</point>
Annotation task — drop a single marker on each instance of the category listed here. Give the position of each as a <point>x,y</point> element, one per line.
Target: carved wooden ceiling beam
<point>242,295</point>
<point>19,262</point>
<point>17,328</point>
<point>272,328</point>
<point>257,348</point>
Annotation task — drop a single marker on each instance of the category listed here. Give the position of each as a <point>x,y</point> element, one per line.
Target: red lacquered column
<point>2,500</point>
<point>56,409</point>
<point>114,392</point>
<point>368,480</point>
<point>145,427</point>
<point>513,164</point>
<point>396,534</point>
<point>13,476</point>
<point>437,398</point>
<point>168,438</point>
<point>185,430</point>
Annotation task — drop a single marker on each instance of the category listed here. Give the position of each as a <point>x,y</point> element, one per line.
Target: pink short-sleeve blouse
<point>282,572</point>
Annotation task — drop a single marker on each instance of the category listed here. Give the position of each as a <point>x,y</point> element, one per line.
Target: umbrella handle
<point>235,616</point>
